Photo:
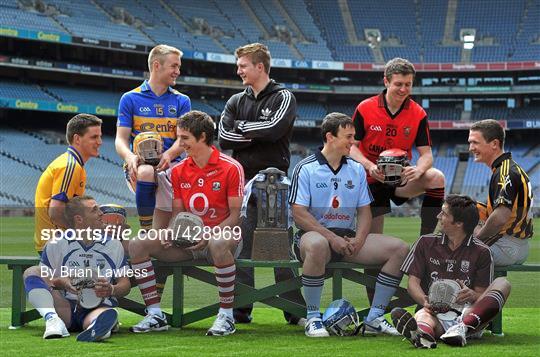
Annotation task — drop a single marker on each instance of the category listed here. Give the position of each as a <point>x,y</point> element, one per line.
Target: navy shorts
<point>78,315</point>
<point>335,256</point>
<point>382,194</point>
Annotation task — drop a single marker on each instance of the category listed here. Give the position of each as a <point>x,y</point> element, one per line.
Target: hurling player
<point>508,218</point>
<point>82,256</point>
<point>153,106</point>
<point>393,120</point>
<point>65,177</point>
<point>208,184</point>
<point>330,202</point>
<point>453,254</point>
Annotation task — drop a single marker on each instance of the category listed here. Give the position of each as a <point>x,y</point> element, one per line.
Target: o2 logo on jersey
<point>201,210</point>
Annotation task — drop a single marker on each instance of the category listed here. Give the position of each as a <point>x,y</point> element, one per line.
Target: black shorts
<point>335,257</point>
<point>382,194</point>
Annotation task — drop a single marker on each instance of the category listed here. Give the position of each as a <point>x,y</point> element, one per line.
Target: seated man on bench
<point>208,184</point>
<point>85,254</point>
<point>330,203</point>
<point>456,255</point>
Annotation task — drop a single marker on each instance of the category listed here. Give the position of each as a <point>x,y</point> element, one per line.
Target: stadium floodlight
<point>469,38</point>
<point>468,45</point>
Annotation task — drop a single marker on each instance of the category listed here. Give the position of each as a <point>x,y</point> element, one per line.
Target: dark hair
<point>490,129</point>
<point>332,122</point>
<point>398,66</point>
<point>75,207</point>
<point>79,124</point>
<point>197,123</point>
<point>463,209</point>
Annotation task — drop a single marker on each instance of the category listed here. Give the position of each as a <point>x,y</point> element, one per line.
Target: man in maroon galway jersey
<point>208,184</point>
<point>393,120</point>
<point>457,255</point>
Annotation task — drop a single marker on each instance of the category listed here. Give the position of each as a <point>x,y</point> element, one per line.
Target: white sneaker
<point>223,326</point>
<point>315,328</point>
<point>302,322</point>
<point>55,328</point>
<point>151,322</point>
<point>378,326</point>
<point>456,335</point>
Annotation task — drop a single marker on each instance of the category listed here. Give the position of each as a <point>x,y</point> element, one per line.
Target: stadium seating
<point>319,32</point>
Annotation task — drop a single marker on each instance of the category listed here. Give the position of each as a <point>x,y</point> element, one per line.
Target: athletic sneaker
<point>406,325</point>
<point>100,328</point>
<point>55,328</point>
<point>456,335</point>
<point>151,322</point>
<point>315,328</point>
<point>378,326</point>
<point>223,326</point>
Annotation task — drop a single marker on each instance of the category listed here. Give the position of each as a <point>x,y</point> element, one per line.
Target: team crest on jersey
<point>465,266</point>
<point>172,110</point>
<point>407,131</point>
<point>265,113</point>
<point>100,262</point>
<point>349,184</point>
<point>216,186</point>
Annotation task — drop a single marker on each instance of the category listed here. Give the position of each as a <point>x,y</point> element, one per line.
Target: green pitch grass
<point>268,334</point>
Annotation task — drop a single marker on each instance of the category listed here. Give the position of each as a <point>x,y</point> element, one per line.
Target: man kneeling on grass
<point>454,254</point>
<point>79,277</point>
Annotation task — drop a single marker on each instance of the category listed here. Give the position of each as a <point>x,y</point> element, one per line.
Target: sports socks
<point>226,277</point>
<point>426,328</point>
<point>313,287</point>
<point>145,197</point>
<point>385,287</point>
<point>39,296</point>
<point>147,286</point>
<point>484,310</point>
<point>431,207</point>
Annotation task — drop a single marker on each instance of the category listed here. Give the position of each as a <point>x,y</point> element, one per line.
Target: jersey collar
<point>383,104</point>
<point>444,240</point>
<point>498,161</point>
<point>145,87</point>
<point>322,161</point>
<point>71,150</point>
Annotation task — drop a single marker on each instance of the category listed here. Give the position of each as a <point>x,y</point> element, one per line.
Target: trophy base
<point>270,244</point>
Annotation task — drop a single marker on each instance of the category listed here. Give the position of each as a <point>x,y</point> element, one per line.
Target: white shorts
<point>205,253</point>
<point>164,191</point>
<point>509,250</point>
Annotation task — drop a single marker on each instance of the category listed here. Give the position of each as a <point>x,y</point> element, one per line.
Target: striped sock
<point>484,310</point>
<point>385,287</point>
<point>147,285</point>
<point>313,288</point>
<point>225,277</point>
<point>426,328</point>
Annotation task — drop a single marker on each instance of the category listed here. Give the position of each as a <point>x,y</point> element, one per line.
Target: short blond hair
<point>258,53</point>
<point>160,52</point>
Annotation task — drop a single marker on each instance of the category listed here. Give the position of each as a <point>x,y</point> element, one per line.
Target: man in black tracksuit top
<point>257,125</point>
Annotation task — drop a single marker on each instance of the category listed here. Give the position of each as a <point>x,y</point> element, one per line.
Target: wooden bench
<point>244,294</point>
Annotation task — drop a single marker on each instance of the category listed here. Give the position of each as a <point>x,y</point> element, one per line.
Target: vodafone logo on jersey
<point>337,217</point>
<point>375,128</point>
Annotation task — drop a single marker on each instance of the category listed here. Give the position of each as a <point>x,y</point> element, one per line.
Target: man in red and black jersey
<point>457,255</point>
<point>393,120</point>
<point>507,216</point>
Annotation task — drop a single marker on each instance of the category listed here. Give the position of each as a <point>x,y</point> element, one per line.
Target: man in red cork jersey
<point>210,185</point>
<point>393,120</point>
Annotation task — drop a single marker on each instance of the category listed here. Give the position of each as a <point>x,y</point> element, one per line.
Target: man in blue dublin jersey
<point>81,274</point>
<point>154,106</point>
<point>330,202</point>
